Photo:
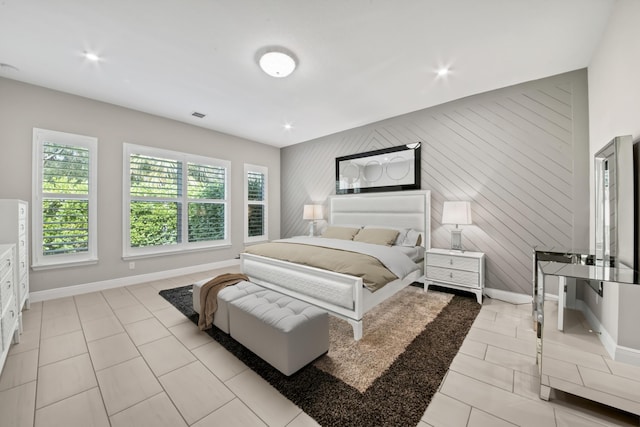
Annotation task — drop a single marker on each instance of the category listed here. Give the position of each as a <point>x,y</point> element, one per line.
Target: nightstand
<point>460,270</point>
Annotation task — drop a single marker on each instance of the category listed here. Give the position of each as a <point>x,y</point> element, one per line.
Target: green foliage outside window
<point>65,205</point>
<point>159,222</point>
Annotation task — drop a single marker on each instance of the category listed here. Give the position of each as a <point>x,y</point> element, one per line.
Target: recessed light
<point>91,56</point>
<point>287,126</point>
<point>277,61</point>
<point>442,72</point>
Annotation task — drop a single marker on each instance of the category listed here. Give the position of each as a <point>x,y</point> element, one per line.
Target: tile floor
<point>126,357</point>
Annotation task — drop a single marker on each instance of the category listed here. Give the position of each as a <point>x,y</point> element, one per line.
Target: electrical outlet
<point>132,265</point>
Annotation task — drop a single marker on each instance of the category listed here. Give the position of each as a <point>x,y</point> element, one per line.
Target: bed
<point>344,295</point>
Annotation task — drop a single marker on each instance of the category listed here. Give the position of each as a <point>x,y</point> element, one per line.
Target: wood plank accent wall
<point>519,154</point>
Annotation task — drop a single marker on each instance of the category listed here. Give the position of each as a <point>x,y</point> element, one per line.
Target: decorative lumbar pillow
<point>344,233</point>
<point>378,236</point>
<point>402,233</point>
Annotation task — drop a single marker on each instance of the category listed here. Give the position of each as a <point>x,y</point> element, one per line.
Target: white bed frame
<point>342,295</point>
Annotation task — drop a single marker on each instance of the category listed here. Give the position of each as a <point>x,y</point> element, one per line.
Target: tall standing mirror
<point>614,209</point>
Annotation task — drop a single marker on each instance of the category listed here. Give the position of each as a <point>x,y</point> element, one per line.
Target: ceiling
<point>360,61</point>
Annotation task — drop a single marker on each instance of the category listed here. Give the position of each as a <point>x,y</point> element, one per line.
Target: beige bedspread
<point>374,274</point>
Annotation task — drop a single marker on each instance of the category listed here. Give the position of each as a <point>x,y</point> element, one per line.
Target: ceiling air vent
<point>198,115</point>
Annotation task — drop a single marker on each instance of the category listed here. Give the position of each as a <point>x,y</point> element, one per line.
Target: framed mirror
<point>614,209</point>
<point>389,169</point>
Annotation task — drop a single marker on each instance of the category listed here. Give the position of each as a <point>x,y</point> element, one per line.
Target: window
<point>64,199</point>
<point>255,195</point>
<point>173,201</point>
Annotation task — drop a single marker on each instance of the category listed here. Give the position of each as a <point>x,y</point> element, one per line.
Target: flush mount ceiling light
<point>277,61</point>
<point>92,56</point>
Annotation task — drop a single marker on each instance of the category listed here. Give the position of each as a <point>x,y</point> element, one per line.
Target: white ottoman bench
<point>225,296</point>
<point>285,332</point>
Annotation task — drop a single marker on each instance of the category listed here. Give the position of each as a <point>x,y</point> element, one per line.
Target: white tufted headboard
<point>411,209</point>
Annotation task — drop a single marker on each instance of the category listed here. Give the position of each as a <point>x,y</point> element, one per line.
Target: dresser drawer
<point>9,322</point>
<point>459,277</point>
<point>452,261</point>
<point>6,289</point>
<point>6,263</point>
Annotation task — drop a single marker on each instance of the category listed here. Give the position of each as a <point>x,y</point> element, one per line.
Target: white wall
<point>614,109</point>
<point>24,106</point>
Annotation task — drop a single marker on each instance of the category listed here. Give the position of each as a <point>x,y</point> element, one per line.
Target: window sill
<point>39,267</point>
<point>154,254</point>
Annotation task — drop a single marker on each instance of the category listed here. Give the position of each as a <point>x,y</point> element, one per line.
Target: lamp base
<point>456,240</point>
<point>312,228</point>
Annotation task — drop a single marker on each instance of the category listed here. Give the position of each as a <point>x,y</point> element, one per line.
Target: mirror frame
<point>412,184</point>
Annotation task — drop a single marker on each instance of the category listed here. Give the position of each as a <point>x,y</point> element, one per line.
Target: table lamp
<point>312,213</point>
<point>458,213</point>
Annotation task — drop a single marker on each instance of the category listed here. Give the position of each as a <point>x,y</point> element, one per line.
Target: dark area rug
<point>398,397</point>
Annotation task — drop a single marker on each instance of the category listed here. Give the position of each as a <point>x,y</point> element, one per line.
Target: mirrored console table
<point>587,340</point>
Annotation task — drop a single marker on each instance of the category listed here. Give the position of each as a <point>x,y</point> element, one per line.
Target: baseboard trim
<point>508,296</point>
<point>619,353</point>
<point>85,288</point>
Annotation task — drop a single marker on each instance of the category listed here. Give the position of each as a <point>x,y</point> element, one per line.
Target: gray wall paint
<point>23,107</point>
<point>520,154</point>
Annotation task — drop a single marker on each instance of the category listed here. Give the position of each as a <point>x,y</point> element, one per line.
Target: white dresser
<point>460,270</point>
<point>8,305</point>
<point>14,217</point>
<point>14,228</point>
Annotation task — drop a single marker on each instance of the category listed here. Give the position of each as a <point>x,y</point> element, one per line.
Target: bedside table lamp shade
<point>458,213</point>
<point>312,213</point>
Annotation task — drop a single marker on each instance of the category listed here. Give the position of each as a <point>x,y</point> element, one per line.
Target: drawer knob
<point>450,261</point>
<point>451,275</point>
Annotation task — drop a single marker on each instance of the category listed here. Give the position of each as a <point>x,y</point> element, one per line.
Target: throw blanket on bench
<point>209,296</point>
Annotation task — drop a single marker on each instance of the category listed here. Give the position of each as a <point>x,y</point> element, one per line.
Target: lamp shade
<point>456,212</point>
<point>312,212</point>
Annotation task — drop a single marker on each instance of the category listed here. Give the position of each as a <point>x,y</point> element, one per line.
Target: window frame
<point>39,260</point>
<point>265,203</point>
<point>129,252</point>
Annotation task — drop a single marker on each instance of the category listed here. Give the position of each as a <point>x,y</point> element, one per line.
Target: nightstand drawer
<point>459,277</point>
<point>453,261</point>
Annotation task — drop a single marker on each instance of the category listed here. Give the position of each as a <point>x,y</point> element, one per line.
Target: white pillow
<point>412,238</point>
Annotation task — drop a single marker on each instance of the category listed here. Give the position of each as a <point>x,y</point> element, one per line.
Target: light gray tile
<point>157,411</point>
<point>165,355</point>
<point>219,360</point>
<point>101,328</point>
<point>80,410</point>
<point>29,340</point>
<point>127,384</point>
<point>132,313</point>
<point>145,331</point>
<point>93,312</point>
<point>60,325</point>
<point>62,347</point>
<point>170,317</point>
<point>444,411</point>
<point>271,406</point>
<point>110,351</point>
<point>482,370</point>
<point>235,414</point>
<point>189,335</point>
<point>482,419</point>
<point>498,402</point>
<point>89,299</point>
<point>195,391</point>
<point>19,368</point>
<point>63,379</point>
<point>58,307</point>
<point>17,405</point>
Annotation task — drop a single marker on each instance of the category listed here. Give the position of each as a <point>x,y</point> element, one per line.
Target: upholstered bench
<point>285,332</point>
<point>225,296</point>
